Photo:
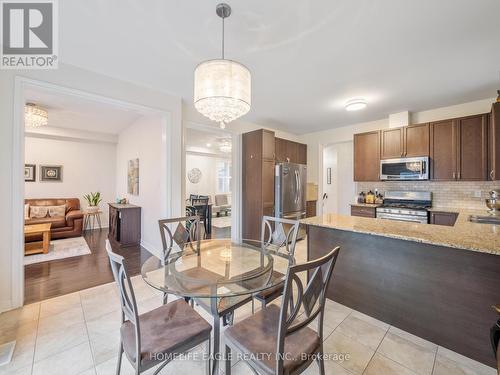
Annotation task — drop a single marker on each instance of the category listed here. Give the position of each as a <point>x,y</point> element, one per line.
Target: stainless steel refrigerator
<point>290,192</point>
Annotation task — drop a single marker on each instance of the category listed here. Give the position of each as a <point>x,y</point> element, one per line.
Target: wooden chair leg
<point>321,362</point>
<point>227,360</point>
<point>119,365</point>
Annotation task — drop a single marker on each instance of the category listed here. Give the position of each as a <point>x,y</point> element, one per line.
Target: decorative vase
<point>92,208</point>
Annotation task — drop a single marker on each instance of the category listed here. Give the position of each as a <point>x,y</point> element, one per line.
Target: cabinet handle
<point>491,175</point>
<point>454,176</point>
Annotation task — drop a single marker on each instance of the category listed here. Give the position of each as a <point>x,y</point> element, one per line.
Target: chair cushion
<point>57,221</point>
<point>259,334</point>
<point>167,329</point>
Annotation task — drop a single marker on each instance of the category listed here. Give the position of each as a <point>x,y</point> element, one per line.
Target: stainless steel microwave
<point>405,169</point>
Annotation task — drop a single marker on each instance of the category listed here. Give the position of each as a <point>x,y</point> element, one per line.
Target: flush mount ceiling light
<point>222,88</point>
<point>355,105</point>
<point>35,116</point>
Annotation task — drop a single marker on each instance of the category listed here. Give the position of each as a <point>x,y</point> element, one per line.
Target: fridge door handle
<point>297,187</point>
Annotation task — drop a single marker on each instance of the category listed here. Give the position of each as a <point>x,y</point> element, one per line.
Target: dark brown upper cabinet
<point>367,156</point>
<point>443,150</point>
<point>416,140</point>
<point>408,141</point>
<point>459,149</point>
<point>293,152</point>
<point>494,143</point>
<point>392,145</point>
<point>472,146</point>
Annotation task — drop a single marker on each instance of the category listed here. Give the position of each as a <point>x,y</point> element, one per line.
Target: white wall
<point>207,164</point>
<point>145,139</point>
<point>87,167</point>
<point>11,166</point>
<point>341,191</point>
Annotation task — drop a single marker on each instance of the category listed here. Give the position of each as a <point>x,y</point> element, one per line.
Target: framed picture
<point>329,176</point>
<point>29,172</point>
<point>51,173</point>
<point>133,177</point>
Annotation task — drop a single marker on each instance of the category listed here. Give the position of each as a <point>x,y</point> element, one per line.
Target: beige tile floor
<point>79,334</point>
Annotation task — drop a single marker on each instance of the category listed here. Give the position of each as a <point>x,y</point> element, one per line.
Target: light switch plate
<point>477,193</point>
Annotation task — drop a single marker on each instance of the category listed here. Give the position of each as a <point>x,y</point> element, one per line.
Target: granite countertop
<point>372,205</point>
<point>483,238</point>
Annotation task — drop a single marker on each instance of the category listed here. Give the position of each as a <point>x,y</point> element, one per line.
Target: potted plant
<point>93,200</point>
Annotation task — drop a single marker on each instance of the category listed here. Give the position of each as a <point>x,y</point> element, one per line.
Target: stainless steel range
<point>406,206</point>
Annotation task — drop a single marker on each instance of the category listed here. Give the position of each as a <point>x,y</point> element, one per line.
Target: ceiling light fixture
<point>209,145</point>
<point>222,88</point>
<point>225,147</point>
<point>355,105</point>
<point>35,116</point>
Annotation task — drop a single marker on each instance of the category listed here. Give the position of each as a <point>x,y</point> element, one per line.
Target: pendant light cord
<point>223,37</point>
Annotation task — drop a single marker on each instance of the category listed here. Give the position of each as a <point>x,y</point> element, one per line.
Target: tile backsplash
<point>449,194</point>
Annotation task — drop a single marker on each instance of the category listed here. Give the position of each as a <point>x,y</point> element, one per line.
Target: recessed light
<point>209,145</point>
<point>355,105</point>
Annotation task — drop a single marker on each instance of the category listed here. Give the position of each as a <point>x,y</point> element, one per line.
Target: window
<point>223,176</point>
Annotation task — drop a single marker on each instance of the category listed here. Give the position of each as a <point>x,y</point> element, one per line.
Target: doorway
<point>209,178</point>
<point>338,179</point>
<point>78,152</point>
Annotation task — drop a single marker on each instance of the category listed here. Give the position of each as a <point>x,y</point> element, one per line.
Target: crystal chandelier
<point>35,116</point>
<point>222,88</point>
<point>225,146</point>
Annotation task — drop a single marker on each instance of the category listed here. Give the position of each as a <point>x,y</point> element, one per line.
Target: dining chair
<point>187,231</point>
<point>220,308</point>
<point>200,205</point>
<point>281,335</point>
<point>283,237</point>
<point>158,336</point>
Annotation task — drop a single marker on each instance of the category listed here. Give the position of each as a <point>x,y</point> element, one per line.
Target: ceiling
<point>307,57</point>
<point>206,141</point>
<point>72,112</point>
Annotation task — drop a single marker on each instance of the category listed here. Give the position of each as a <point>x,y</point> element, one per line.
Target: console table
<point>125,224</point>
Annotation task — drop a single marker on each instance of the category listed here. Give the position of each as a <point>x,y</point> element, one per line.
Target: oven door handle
<point>401,218</point>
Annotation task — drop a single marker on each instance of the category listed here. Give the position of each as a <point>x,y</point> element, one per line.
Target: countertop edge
<point>404,237</point>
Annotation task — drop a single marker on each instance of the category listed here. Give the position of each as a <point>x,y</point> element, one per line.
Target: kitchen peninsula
<point>433,281</point>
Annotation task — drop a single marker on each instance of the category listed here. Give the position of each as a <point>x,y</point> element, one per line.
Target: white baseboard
<point>151,248</point>
<point>5,305</point>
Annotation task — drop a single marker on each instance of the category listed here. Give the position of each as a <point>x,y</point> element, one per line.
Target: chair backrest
<point>221,199</point>
<point>188,230</point>
<point>200,205</point>
<point>311,298</point>
<point>193,196</point>
<point>284,234</point>
<point>127,296</point>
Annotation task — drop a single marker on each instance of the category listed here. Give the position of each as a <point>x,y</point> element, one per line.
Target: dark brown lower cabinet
<point>443,218</point>
<point>439,293</point>
<point>125,224</point>
<point>363,211</point>
<point>311,208</point>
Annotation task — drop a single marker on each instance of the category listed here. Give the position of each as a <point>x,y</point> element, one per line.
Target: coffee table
<point>37,247</point>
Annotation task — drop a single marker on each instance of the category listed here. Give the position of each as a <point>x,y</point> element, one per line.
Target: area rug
<point>221,222</point>
<point>60,249</point>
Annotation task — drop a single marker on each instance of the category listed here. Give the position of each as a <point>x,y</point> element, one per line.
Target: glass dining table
<point>218,271</point>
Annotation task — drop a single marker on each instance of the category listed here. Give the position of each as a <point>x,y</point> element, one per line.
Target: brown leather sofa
<point>70,225</point>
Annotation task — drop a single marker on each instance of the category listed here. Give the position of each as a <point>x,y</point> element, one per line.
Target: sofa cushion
<point>71,203</point>
<point>38,212</point>
<point>57,222</point>
<point>55,211</point>
<point>26,211</point>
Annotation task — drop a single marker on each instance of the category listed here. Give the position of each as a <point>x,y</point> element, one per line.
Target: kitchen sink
<point>485,219</point>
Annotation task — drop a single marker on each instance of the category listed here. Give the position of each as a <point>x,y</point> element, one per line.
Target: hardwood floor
<point>63,276</point>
